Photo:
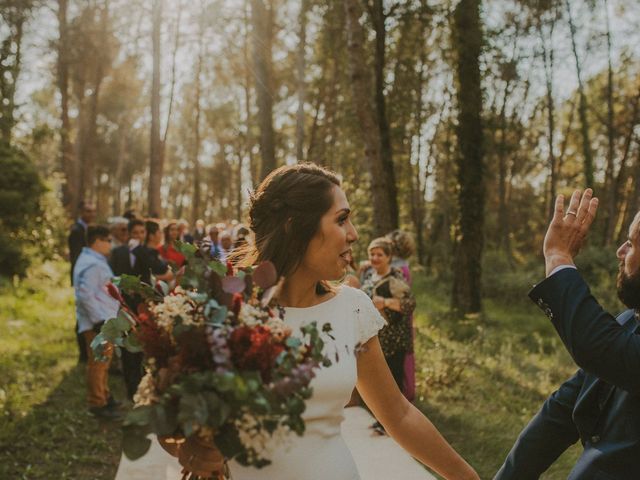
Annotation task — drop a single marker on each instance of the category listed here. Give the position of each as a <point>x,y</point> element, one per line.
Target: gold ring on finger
<point>571,212</point>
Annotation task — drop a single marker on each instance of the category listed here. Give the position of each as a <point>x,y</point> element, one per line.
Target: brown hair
<point>165,231</point>
<point>402,244</point>
<point>284,215</point>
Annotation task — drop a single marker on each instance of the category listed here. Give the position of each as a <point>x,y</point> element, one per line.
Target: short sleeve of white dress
<point>368,319</point>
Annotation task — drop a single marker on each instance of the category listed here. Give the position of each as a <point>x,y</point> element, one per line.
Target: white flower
<point>178,304</point>
<point>257,440</point>
<point>146,393</point>
<point>250,315</point>
<point>279,329</point>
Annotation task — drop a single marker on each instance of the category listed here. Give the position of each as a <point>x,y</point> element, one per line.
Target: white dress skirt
<point>321,453</point>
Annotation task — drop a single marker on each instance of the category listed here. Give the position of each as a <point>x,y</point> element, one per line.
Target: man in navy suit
<point>600,404</point>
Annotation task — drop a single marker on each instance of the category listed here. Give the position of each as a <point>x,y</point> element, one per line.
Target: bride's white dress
<point>322,453</point>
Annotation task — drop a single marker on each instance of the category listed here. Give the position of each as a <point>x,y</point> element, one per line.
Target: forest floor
<point>479,380</point>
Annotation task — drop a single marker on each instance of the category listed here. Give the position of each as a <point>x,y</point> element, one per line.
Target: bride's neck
<point>299,290</point>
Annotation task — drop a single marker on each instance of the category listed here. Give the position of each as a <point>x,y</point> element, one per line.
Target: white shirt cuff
<point>561,267</point>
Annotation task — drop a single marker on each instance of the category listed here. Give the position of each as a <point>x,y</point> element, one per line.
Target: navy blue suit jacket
<point>599,405</point>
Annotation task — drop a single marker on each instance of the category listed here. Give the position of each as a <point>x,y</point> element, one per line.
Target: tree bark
<point>195,210</point>
<point>467,42</point>
<point>70,187</point>
<point>155,147</point>
<point>610,198</point>
<point>262,21</point>
<point>301,68</point>
<point>548,57</point>
<point>362,92</point>
<point>582,107</point>
<point>386,151</point>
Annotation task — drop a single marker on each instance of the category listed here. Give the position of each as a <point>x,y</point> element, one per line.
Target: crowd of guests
<point>147,247</point>
<point>131,245</point>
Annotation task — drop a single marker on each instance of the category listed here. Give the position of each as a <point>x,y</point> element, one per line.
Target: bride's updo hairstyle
<point>285,212</point>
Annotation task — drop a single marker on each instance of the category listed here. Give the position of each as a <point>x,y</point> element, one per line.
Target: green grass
<point>45,429</point>
<point>479,380</point>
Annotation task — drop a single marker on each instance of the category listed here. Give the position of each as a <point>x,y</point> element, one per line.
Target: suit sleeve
<point>547,435</point>
<point>76,242</point>
<point>593,337</point>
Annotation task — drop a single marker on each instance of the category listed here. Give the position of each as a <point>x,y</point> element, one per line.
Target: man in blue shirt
<point>77,240</point>
<point>93,306</point>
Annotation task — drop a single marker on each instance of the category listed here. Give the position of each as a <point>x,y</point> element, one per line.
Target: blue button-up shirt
<point>90,277</point>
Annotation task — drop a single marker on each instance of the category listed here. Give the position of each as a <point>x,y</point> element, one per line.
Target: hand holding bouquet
<point>222,366</point>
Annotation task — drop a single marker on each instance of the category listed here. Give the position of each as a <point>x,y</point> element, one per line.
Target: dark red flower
<point>230,270</point>
<point>237,304</point>
<point>114,292</point>
<point>254,349</point>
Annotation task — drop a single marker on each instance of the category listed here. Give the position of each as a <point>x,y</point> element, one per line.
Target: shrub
<point>21,190</point>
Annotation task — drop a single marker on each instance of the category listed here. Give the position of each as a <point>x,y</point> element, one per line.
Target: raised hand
<point>567,231</point>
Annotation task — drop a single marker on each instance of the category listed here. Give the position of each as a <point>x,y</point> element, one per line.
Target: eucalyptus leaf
<point>135,442</point>
<point>219,268</point>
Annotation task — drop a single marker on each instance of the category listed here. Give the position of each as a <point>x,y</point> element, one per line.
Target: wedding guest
<point>214,241</point>
<point>392,296</point>
<point>225,246</point>
<point>147,262</point>
<point>122,259</point>
<point>403,247</point>
<point>77,240</point>
<point>599,405</point>
<point>123,262</point>
<point>119,231</point>
<point>183,232</point>
<point>168,250</point>
<point>241,237</point>
<point>199,233</point>
<point>94,306</point>
<point>130,214</point>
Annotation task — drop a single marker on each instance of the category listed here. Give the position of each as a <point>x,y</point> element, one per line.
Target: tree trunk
<point>608,192</point>
<point>548,57</point>
<point>383,203</point>
<point>301,68</point>
<point>70,187</point>
<point>582,107</point>
<point>262,21</point>
<point>386,152</point>
<point>617,194</point>
<point>155,147</point>
<point>195,210</point>
<point>467,42</point>
<point>249,140</point>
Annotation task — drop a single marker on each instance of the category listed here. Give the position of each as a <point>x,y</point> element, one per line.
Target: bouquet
<point>220,361</point>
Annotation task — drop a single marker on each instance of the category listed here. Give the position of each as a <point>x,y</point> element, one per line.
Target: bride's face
<point>329,251</point>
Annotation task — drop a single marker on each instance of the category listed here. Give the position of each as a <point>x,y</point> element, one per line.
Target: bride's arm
<point>403,421</point>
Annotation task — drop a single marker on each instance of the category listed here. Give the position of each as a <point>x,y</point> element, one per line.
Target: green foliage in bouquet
<point>221,362</point>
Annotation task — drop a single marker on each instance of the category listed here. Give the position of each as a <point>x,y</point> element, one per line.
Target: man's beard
<point>629,288</point>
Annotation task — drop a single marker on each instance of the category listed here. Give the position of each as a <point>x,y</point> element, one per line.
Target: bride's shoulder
<point>353,294</point>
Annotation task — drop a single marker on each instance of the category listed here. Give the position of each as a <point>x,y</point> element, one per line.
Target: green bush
<point>507,279</point>
<point>21,190</point>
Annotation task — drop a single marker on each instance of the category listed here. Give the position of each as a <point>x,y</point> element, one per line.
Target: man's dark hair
<point>130,214</point>
<point>134,222</point>
<point>95,232</point>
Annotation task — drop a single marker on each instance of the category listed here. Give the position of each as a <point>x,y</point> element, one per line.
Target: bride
<point>301,220</point>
